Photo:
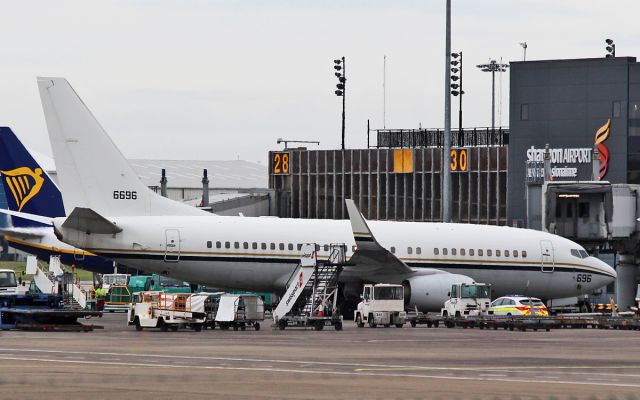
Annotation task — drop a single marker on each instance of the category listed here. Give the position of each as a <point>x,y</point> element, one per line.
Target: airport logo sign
<point>602,134</point>
<point>24,184</point>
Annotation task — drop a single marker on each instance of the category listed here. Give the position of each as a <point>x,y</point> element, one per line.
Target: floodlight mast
<point>493,67</point>
<point>446,169</point>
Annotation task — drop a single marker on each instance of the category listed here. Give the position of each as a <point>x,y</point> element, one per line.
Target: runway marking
<point>361,367</point>
<point>305,371</point>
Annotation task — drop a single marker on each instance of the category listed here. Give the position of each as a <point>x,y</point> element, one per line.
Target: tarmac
<point>381,363</point>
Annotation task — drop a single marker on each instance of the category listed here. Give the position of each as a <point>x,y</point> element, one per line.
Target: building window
<point>524,112</point>
<point>393,250</point>
<point>583,210</point>
<point>436,251</point>
<point>462,252</point>
<point>617,109</point>
<point>209,244</point>
<point>418,250</point>
<point>409,250</point>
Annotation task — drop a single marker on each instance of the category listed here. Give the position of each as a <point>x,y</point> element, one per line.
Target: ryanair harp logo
<point>601,135</point>
<point>24,184</point>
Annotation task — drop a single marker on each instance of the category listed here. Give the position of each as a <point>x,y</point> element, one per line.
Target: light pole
<point>456,70</point>
<point>342,87</point>
<point>493,67</point>
<point>446,159</point>
<point>611,48</point>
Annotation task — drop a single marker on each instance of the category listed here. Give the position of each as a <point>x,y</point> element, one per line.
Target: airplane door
<point>548,264</point>
<point>172,250</point>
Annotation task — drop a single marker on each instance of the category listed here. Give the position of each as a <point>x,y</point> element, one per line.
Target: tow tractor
<point>154,309</point>
<point>468,300</point>
<point>382,304</point>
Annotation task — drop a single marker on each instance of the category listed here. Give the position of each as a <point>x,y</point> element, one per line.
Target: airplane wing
<point>22,233</point>
<point>370,257</point>
<point>87,220</point>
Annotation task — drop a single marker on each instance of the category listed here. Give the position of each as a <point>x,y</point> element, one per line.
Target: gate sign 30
<point>280,163</point>
<point>459,160</point>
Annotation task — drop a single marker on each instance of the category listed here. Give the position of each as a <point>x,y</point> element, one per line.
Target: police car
<point>519,305</point>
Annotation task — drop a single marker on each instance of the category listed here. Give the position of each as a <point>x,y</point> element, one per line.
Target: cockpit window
<point>584,253</point>
<point>575,253</point>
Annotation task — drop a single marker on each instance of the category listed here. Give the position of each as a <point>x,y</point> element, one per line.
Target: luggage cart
<point>238,311</point>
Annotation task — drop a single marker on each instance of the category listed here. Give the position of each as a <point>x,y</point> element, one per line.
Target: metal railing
<point>471,137</point>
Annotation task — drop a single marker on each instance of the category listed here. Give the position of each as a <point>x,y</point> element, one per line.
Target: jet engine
<point>429,292</point>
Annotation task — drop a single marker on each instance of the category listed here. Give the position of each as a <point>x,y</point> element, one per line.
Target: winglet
<point>89,221</point>
<point>361,231</point>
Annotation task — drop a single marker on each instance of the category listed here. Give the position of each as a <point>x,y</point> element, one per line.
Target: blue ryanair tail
<point>29,189</point>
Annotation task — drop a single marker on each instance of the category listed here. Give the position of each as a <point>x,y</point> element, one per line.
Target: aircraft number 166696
<point>125,194</point>
<point>583,278</point>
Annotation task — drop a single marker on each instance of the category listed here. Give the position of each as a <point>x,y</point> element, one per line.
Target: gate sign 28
<point>280,163</point>
<point>459,160</point>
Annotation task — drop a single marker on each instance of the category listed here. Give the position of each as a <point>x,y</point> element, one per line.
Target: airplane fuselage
<point>261,253</point>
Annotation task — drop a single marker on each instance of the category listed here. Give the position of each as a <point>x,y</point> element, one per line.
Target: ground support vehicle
<point>382,304</point>
<point>467,300</point>
<point>8,282</point>
<point>118,299</point>
<point>238,311</point>
<point>312,292</point>
<point>42,312</point>
<point>166,311</point>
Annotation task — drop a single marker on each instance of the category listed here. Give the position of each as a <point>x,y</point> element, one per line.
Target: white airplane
<point>111,213</point>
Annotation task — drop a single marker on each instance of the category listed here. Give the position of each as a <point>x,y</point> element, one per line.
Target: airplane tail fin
<point>27,186</point>
<point>91,170</point>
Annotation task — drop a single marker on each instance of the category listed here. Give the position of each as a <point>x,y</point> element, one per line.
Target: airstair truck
<point>382,304</point>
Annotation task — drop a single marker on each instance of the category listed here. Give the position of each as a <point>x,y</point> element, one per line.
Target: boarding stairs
<point>311,286</point>
<point>73,298</point>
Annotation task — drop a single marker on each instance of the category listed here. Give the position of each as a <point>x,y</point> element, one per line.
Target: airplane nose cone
<point>606,269</point>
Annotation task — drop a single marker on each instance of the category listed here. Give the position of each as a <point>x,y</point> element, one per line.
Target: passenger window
<point>272,246</point>
<point>326,248</point>
<point>227,245</point>
<point>497,253</point>
<point>471,251</point>
<point>209,244</point>
<point>299,246</point>
<point>409,250</point>
<point>281,246</point>
<point>515,253</point>
<point>506,253</point>
<point>263,246</point>
<point>489,252</point>
<point>418,250</point>
<point>393,250</point>
<point>462,252</point>
<point>218,245</point>
<point>524,254</point>
<point>245,245</point>
<point>453,252</point>
<point>236,245</point>
<point>254,246</point>
<point>480,252</point>
<point>290,246</point>
<point>445,251</point>
<point>436,251</point>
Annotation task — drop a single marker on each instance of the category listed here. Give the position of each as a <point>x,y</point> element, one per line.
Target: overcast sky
<point>223,80</point>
